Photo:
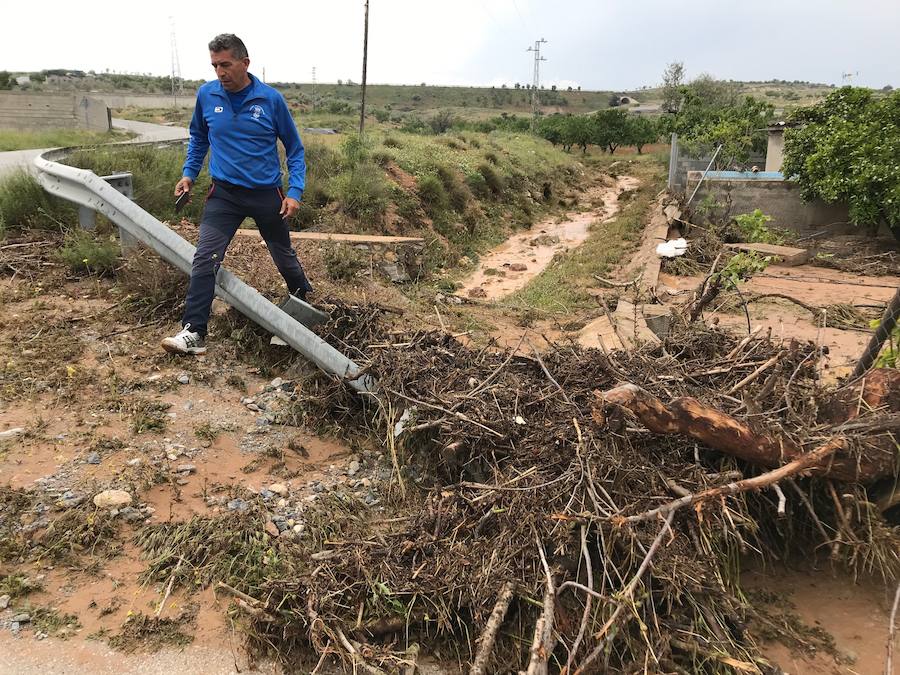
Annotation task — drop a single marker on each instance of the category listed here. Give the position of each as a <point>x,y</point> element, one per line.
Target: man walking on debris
<point>239,119</point>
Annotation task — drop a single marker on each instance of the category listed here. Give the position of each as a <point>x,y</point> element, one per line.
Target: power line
<point>177,82</point>
<point>537,78</point>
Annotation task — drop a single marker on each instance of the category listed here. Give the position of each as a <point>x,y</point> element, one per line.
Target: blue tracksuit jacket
<point>244,151</point>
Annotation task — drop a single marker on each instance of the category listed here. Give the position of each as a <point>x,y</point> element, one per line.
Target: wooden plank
<point>787,255</point>
<point>631,326</point>
<point>600,334</point>
<point>341,237</point>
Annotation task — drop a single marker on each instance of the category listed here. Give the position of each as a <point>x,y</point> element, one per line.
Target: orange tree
<point>847,149</point>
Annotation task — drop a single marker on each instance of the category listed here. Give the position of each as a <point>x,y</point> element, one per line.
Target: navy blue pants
<point>226,207</point>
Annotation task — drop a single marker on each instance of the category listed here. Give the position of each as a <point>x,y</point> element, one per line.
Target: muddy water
<point>525,255</point>
<point>855,614</point>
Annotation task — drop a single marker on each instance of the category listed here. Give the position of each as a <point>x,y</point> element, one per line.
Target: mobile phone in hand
<point>183,199</point>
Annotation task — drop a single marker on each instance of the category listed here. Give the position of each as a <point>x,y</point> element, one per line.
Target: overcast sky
<point>597,44</point>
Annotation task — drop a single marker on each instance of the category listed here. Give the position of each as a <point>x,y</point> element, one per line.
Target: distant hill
<point>401,100</point>
<point>780,93</point>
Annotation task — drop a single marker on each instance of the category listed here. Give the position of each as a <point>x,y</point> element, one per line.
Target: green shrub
<point>84,252</point>
<point>155,172</point>
<point>478,185</point>
<point>433,195</point>
<point>322,160</point>
<point>441,122</point>
<point>24,203</point>
<point>381,115</point>
<point>457,192</point>
<point>492,179</point>
<point>492,158</point>
<point>355,150</point>
<point>343,263</point>
<point>363,193</point>
<point>317,193</point>
<point>414,125</point>
<point>392,142</point>
<point>754,229</point>
<point>382,157</point>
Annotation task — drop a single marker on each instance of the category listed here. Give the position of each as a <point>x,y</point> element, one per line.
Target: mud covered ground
<point>251,429</point>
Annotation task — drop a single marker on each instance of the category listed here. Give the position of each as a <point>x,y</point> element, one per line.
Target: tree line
<point>606,129</point>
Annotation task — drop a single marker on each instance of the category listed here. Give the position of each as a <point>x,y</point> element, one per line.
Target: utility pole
<point>314,87</point>
<point>537,78</point>
<point>362,105</point>
<point>177,83</point>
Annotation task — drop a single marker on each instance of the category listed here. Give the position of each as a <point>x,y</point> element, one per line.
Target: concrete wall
<point>52,111</point>
<point>775,150</point>
<point>779,199</point>
<point>146,100</point>
<point>685,163</point>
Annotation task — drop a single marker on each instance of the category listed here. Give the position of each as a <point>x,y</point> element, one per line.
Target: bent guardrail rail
<point>86,189</point>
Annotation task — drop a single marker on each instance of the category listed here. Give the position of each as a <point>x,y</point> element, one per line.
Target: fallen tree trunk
<point>720,431</point>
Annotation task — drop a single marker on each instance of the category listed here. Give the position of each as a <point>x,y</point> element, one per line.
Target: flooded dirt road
<point>523,256</point>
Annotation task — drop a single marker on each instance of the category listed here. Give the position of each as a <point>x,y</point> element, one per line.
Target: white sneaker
<point>185,342</point>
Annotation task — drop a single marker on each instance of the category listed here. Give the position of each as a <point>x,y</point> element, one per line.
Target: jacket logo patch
<point>218,108</point>
<point>256,111</point>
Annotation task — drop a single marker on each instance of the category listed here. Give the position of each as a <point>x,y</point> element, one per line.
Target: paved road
<point>146,132</point>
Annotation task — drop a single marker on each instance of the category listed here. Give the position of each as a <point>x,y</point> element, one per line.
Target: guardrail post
<point>87,217</point>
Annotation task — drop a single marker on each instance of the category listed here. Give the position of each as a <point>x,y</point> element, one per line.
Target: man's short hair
<point>229,42</point>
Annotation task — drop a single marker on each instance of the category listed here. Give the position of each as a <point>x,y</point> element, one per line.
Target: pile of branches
<point>582,512</point>
<point>871,257</point>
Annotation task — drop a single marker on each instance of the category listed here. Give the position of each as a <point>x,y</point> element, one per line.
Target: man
<point>239,119</point>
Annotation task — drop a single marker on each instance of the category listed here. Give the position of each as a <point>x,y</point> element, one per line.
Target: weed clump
<point>18,586</point>
<point>343,263</point>
<point>24,204</point>
<point>363,193</point>
<point>457,192</point>
<point>50,621</point>
<point>148,415</point>
<point>492,179</point>
<point>153,289</point>
<point>234,549</point>
<point>151,633</point>
<point>86,253</point>
<point>433,194</point>
<point>754,228</point>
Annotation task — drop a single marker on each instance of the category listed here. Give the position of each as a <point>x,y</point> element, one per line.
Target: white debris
<point>672,248</point>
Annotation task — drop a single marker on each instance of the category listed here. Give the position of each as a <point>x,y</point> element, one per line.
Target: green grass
<point>89,253</point>
<point>561,287</point>
<point>155,172</point>
<point>16,139</point>
<point>25,204</point>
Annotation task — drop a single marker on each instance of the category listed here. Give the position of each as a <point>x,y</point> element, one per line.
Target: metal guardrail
<point>88,190</point>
